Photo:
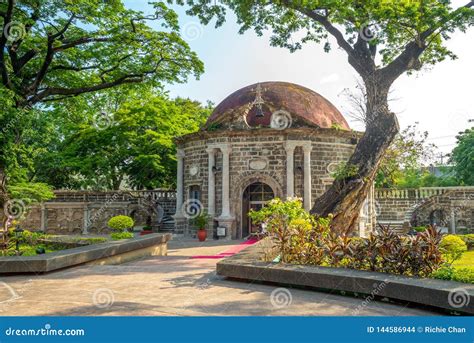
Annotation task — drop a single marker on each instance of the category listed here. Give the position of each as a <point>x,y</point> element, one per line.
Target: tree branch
<point>3,41</point>
<point>409,57</point>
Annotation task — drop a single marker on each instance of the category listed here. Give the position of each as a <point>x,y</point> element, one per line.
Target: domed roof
<point>257,104</point>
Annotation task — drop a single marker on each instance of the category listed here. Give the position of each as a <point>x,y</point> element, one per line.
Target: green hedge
<point>465,274</point>
<point>121,235</point>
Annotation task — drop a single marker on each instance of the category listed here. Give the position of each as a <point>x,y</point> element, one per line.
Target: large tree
<point>130,146</point>
<point>51,50</point>
<point>463,157</point>
<point>382,40</point>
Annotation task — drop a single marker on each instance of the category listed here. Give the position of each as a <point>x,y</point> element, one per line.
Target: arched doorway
<point>438,218</point>
<point>255,196</point>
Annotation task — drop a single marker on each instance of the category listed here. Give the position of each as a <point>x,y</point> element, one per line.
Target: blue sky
<point>441,99</point>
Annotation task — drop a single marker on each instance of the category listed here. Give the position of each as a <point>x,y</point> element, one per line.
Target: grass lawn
<point>467,260</point>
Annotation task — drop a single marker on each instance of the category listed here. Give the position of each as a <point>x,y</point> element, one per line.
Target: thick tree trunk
<point>345,198</point>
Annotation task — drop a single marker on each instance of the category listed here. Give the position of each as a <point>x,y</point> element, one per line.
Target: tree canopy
<point>53,51</point>
<point>130,145</point>
<point>463,157</point>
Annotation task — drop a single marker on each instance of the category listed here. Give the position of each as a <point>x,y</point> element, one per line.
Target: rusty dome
<point>257,102</point>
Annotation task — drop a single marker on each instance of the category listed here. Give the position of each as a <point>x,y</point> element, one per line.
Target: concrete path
<point>174,285</point>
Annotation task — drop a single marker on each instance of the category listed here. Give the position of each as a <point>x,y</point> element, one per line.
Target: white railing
<point>417,193</point>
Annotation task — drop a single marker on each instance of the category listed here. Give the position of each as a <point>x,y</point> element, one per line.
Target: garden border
<point>249,265</point>
<point>104,253</point>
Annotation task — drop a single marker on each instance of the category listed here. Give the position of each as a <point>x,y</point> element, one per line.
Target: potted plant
<point>146,230</point>
<point>201,222</point>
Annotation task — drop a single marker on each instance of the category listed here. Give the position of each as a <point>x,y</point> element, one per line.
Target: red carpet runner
<point>229,252</point>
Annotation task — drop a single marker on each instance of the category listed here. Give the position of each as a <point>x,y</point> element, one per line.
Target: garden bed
<point>105,253</point>
<point>250,265</point>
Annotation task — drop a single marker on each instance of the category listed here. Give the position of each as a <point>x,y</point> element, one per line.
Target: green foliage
<point>443,273</point>
<point>295,23</point>
<point>26,237</point>
<point>65,53</point>
<point>121,235</point>
<point>404,158</point>
<point>120,223</point>
<point>345,171</point>
<point>419,228</point>
<point>463,157</point>
<point>134,148</point>
<point>201,220</point>
<point>302,239</point>
<point>452,247</point>
<point>465,274</point>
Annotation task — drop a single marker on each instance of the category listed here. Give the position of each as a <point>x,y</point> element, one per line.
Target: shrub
<point>469,240</point>
<point>121,235</point>
<point>463,275</point>
<point>452,247</point>
<point>120,223</point>
<point>300,238</point>
<point>26,237</point>
<point>290,224</point>
<point>201,220</point>
<point>443,273</point>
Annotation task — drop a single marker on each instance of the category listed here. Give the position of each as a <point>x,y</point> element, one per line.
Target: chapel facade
<point>266,140</point>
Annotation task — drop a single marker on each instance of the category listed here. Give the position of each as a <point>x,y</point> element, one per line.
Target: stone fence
<point>449,207</point>
<point>75,212</point>
<point>88,212</point>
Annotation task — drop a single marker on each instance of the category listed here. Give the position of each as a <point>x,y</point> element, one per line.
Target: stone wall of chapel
<point>250,153</point>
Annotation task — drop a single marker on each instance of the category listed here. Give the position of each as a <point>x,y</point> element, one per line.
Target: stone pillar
<point>453,221</point>
<point>86,223</point>
<point>226,150</point>
<point>290,176</point>
<point>211,183</point>
<point>307,176</point>
<point>225,219</point>
<point>180,221</point>
<point>44,218</point>
<point>180,184</point>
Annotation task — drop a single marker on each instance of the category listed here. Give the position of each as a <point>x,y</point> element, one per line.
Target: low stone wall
<point>449,207</point>
<point>104,253</point>
<point>76,212</point>
<point>250,265</point>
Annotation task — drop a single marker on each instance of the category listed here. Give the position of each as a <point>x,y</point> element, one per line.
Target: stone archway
<point>238,194</point>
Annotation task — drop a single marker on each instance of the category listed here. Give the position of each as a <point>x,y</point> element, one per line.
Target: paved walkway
<point>169,286</point>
